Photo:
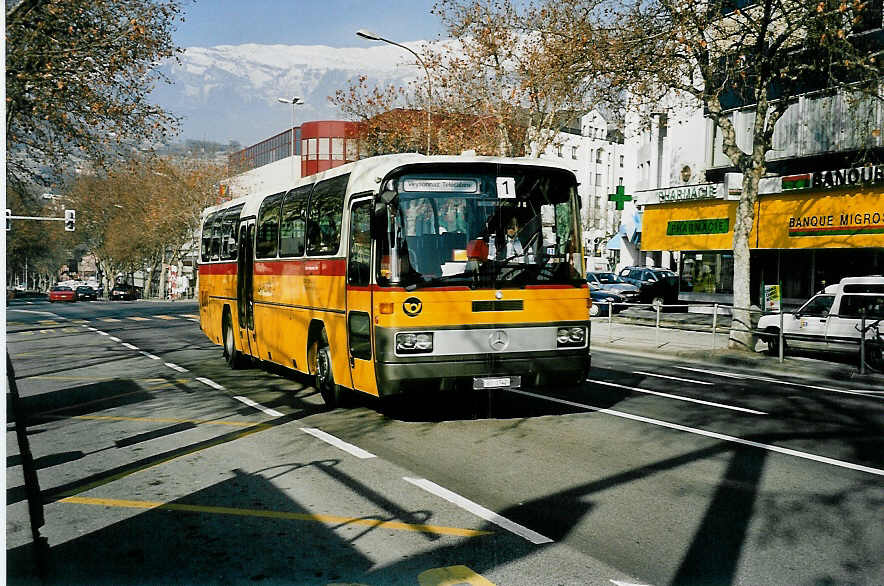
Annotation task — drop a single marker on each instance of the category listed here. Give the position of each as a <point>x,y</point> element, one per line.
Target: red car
<point>62,293</point>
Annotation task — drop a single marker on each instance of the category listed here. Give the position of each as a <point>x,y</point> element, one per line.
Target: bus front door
<point>359,298</point>
<point>244,289</point>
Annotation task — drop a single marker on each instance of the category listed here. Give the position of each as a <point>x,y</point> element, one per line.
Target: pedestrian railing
<point>731,323</point>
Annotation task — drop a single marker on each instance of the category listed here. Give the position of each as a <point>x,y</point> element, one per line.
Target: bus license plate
<point>496,382</point>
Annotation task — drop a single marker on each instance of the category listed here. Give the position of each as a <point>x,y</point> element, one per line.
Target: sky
<point>209,23</point>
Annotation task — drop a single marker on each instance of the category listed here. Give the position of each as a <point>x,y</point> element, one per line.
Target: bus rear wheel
<point>331,392</point>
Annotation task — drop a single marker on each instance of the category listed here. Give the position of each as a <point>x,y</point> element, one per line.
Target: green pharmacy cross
<point>620,197</point>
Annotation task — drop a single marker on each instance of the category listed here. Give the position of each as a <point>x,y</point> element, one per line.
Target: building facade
<point>598,158</point>
<point>268,166</point>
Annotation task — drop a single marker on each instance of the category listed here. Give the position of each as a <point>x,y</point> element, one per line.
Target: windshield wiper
<point>435,281</point>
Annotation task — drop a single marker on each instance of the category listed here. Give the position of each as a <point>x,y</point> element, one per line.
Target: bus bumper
<point>560,367</point>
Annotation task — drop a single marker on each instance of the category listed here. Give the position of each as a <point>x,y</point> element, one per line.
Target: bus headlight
<point>414,343</point>
<point>575,336</point>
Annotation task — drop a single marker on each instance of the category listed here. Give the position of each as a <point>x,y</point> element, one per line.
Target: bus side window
<point>215,252</point>
<point>267,239</point>
<point>360,245</point>
<point>293,227</point>
<point>206,252</point>
<point>324,216</point>
<point>228,233</point>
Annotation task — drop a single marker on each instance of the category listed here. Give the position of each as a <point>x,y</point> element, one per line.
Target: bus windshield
<point>509,230</point>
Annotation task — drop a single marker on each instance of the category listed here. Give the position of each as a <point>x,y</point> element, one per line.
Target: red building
<point>326,144</point>
<point>321,144</point>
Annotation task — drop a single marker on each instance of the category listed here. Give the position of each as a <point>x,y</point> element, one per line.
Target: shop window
<point>707,272</point>
<point>324,149</point>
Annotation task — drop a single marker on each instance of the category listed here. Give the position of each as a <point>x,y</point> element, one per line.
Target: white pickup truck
<point>830,320</point>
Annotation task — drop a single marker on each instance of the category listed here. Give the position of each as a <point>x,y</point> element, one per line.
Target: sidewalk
<point>688,338</point>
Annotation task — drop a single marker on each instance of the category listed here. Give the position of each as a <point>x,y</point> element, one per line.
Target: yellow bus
<point>404,273</point>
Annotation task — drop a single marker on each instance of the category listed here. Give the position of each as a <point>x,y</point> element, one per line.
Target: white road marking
<point>49,313</point>
<point>115,339</point>
<point>684,380</point>
<point>267,410</point>
<point>130,346</point>
<point>715,372</point>
<point>209,382</point>
<point>338,443</point>
<point>174,366</point>
<point>149,355</point>
<point>712,434</point>
<point>479,510</point>
<point>102,333</point>
<point>778,381</point>
<point>678,397</point>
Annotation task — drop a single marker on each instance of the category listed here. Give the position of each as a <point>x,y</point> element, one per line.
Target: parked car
<point>86,292</point>
<point>831,319</point>
<point>124,292</point>
<point>62,293</point>
<point>656,286</point>
<point>604,301</point>
<point>611,283</point>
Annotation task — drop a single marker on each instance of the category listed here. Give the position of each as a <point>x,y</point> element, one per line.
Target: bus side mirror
<point>387,196</point>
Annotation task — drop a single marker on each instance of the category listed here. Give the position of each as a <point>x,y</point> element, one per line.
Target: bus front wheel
<point>322,368</point>
<point>231,355</point>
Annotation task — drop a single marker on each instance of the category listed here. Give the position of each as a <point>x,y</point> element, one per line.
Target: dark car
<point>124,292</point>
<point>62,293</point>
<point>86,292</point>
<point>656,286</point>
<point>603,301</point>
<point>611,283</point>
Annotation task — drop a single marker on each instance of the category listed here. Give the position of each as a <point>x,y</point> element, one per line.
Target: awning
<point>615,242</point>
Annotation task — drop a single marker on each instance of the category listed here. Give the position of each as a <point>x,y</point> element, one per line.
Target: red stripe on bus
<point>221,268</point>
<point>584,286</point>
<point>326,268</point>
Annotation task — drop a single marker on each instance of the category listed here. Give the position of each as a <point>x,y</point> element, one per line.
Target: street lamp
<point>294,101</point>
<point>366,34</point>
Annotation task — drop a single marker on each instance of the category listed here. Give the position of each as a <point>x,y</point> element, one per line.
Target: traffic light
<point>8,219</point>
<point>70,217</point>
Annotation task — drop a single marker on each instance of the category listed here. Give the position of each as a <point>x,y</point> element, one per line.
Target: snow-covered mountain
<point>230,92</point>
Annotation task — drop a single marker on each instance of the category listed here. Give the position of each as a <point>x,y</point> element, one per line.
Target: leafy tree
<point>721,54</point>
<point>143,213</point>
<point>78,74</point>
<point>40,247</point>
<point>725,54</point>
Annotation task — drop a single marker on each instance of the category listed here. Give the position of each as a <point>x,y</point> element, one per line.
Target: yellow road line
<point>140,318</point>
<point>48,322</point>
<point>164,420</point>
<point>165,317</point>
<point>326,519</point>
<point>190,315</point>
<point>111,319</point>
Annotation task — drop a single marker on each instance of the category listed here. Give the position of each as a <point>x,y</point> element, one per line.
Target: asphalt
<point>688,337</point>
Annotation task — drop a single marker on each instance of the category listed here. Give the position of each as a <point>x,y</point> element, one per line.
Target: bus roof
<point>367,174</point>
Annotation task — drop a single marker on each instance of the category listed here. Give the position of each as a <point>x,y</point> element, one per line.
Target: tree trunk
<point>741,335</point>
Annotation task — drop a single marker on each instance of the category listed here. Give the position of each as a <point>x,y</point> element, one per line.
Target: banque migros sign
<point>850,177</point>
